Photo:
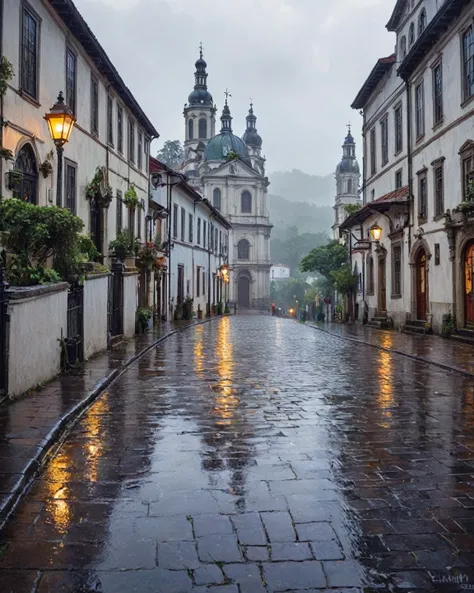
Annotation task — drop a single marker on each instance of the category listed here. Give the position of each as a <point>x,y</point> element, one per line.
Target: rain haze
<point>301,61</point>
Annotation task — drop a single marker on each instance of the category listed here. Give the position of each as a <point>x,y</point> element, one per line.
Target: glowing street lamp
<point>376,232</point>
<point>60,120</point>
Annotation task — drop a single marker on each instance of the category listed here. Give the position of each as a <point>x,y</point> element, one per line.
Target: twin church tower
<point>229,172</point>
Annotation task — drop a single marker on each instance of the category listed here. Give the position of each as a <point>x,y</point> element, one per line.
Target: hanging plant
<point>46,167</point>
<point>6,154</point>
<point>130,198</point>
<point>6,74</point>
<point>98,190</point>
<point>15,177</point>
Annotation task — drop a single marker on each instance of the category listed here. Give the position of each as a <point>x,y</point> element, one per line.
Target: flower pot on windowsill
<point>130,261</point>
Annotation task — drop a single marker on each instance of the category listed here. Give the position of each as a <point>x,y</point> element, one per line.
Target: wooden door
<point>244,292</point>
<point>421,285</point>
<point>469,284</point>
<point>382,304</point>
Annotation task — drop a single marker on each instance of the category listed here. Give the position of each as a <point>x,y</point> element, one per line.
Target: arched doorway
<point>243,290</point>
<point>27,188</point>
<point>421,284</point>
<point>469,285</point>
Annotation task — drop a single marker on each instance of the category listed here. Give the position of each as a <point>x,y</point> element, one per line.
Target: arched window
<point>243,249</point>
<point>202,128</point>
<point>190,129</point>
<point>216,198</point>
<point>27,188</point>
<point>403,47</point>
<point>422,22</point>
<point>411,34</point>
<point>349,186</point>
<point>246,202</point>
<point>370,275</point>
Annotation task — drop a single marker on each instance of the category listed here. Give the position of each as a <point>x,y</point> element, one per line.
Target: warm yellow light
<point>376,232</point>
<point>60,121</point>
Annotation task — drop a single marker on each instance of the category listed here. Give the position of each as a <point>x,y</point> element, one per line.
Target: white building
<point>196,239</point>
<point>280,272</point>
<point>418,163</point>
<point>230,173</point>
<point>347,184</point>
<point>52,49</point>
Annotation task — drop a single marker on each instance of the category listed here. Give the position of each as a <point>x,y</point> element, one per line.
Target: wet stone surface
<point>251,455</point>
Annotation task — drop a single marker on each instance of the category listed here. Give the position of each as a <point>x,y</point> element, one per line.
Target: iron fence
<point>115,301</point>
<point>75,325</point>
<point>3,332</point>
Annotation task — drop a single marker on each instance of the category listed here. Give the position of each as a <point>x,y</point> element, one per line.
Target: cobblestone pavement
<point>257,455</point>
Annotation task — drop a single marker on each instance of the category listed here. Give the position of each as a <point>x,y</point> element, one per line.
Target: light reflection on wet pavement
<point>254,454</point>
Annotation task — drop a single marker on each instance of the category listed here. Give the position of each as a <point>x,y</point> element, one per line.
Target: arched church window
<point>216,198</point>
<point>349,186</point>
<point>411,34</point>
<point>243,249</point>
<point>190,129</point>
<point>202,128</point>
<point>246,202</point>
<point>403,47</point>
<point>27,188</point>
<point>422,21</point>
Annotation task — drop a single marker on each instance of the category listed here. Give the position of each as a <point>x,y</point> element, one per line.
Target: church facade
<point>229,172</point>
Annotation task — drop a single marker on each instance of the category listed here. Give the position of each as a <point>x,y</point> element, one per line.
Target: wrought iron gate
<point>3,333</point>
<point>75,325</point>
<point>115,301</point>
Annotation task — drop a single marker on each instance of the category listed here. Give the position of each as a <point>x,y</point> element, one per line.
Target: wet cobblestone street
<point>257,455</point>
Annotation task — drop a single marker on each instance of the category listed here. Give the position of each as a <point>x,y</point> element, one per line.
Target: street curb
<point>47,445</point>
<point>441,365</point>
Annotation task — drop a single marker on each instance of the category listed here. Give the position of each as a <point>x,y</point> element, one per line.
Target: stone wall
<point>95,313</point>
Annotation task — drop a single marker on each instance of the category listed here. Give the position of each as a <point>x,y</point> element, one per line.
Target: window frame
<point>438,188</point>
<point>398,127</point>
<point>204,235</point>
<point>241,250</point>
<point>119,209</point>
<point>190,129</point>
<point>397,267</point>
<point>146,150</point>
<point>175,221</point>
<point>183,224</point>
<point>191,228</point>
<point>384,139</point>
<point>373,151</point>
<point>419,110</point>
<point>94,112</point>
<point>70,165</point>
<point>403,47</point>
<point>246,200</point>
<point>467,63</point>
<point>467,172</point>
<point>200,121</point>
<point>25,89</point>
<point>438,107</point>
<point>119,128</point>
<point>411,35</point>
<point>198,281</point>
<point>71,100</point>
<point>131,140</point>
<point>370,275</point>
<point>422,21</point>
<point>199,230</point>
<point>217,192</point>
<point>140,149</point>
<point>110,120</point>
<point>398,172</point>
<point>422,199</point>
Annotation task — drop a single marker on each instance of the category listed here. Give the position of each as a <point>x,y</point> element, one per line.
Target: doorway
<point>469,285</point>
<point>382,300</point>
<point>421,285</point>
<point>243,297</point>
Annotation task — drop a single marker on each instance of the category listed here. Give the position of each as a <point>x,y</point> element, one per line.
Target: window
<point>94,106</point>
<point>216,198</point>
<point>119,129</point>
<point>29,53</point>
<point>468,63</point>
<point>421,22</point>
<point>147,154</point>
<point>119,213</point>
<point>203,283</point>
<point>216,246</point>
<point>131,141</point>
<point>27,188</point>
<point>199,232</point>
<point>202,128</point>
<point>397,270</point>
<point>398,179</point>
<point>220,242</point>
<point>398,129</point>
<point>70,185</point>
<point>190,129</point>
<point>183,224</point>
<point>139,222</point>
<point>437,257</point>
<point>403,48</point>
<point>370,275</point>
<point>140,150</point>
<point>349,186</point>
<point>243,249</point>
<point>198,281</point>
<point>439,189</point>
<point>191,229</point>
<point>384,136</point>
<point>411,34</point>
<point>246,202</point>
<point>373,165</point>
<point>422,195</point>
<point>110,130</point>
<point>372,195</point>
<point>71,77</point>
<point>175,221</point>
<point>438,94</point>
<point>468,173</point>
<point>211,237</point>
<point>420,111</point>
<point>204,234</point>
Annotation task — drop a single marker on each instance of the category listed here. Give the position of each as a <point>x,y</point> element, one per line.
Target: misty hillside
<point>297,186</point>
<point>308,218</point>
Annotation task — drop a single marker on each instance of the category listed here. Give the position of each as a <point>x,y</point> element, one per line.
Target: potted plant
<point>130,198</point>
<point>188,312</point>
<point>6,154</point>
<point>178,312</point>
<point>199,312</point>
<point>121,246</point>
<point>147,256</point>
<point>143,317</point>
<point>213,309</point>
<point>448,326</point>
<point>227,309</point>
<point>15,177</point>
<point>46,167</point>
<point>220,308</point>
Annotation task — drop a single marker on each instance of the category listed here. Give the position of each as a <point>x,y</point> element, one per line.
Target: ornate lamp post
<point>60,120</point>
<point>376,232</point>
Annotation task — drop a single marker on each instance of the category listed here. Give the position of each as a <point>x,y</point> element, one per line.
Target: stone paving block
<point>212,525</point>
<point>223,589</point>
<point>177,555</point>
<point>320,531</point>
<point>315,487</point>
<point>283,576</point>
<point>146,581</point>
<point>291,551</point>
<point>209,574</point>
<point>327,550</point>
<point>344,573</point>
<point>122,555</point>
<point>257,553</point>
<point>164,529</point>
<point>249,529</point>
<point>219,548</point>
<point>247,576</point>
<point>279,527</point>
<point>17,581</point>
<point>306,508</point>
<point>190,503</point>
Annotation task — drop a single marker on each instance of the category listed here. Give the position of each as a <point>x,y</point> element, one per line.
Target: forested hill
<point>297,186</point>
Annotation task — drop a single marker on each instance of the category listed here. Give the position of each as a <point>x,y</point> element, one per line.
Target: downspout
<point>169,201</point>
<point>208,312</point>
<point>364,202</point>
<point>410,167</point>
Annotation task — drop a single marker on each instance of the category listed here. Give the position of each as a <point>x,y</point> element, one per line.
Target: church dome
<point>251,137</point>
<point>221,145</point>
<point>200,97</point>
<point>348,165</point>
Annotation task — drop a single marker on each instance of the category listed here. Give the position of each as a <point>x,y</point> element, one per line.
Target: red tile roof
<point>382,204</point>
<point>398,195</point>
<point>382,66</point>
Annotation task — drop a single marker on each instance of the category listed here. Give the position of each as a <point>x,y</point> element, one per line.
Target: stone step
<point>409,328</point>
<point>417,323</point>
<point>379,322</point>
<point>463,338</point>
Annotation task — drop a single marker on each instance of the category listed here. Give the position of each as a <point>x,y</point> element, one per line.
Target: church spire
<point>226,117</point>
<point>200,95</point>
<point>251,136</point>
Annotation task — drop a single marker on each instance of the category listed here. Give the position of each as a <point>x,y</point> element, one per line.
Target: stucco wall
<point>38,321</point>
<point>130,302</point>
<point>95,314</point>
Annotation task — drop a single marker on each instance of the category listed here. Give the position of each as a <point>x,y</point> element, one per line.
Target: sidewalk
<point>447,354</point>
<point>29,426</point>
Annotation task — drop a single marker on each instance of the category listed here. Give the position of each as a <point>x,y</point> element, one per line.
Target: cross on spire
<point>251,103</point>
<point>349,127</point>
<point>227,95</point>
<point>200,50</point>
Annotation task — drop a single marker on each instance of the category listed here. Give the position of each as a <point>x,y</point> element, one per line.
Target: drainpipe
<point>169,200</point>
<point>410,167</point>
<point>208,312</point>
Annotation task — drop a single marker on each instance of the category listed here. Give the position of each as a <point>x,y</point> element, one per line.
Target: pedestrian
<point>235,308</point>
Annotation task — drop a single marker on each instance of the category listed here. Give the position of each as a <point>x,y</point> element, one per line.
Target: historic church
<point>229,171</point>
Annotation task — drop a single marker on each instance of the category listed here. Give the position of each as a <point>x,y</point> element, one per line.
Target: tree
<point>325,259</point>
<point>172,154</point>
<point>344,279</point>
<point>293,247</point>
<point>351,208</point>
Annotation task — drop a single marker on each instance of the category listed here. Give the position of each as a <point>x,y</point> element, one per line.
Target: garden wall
<point>96,290</point>
<point>130,302</point>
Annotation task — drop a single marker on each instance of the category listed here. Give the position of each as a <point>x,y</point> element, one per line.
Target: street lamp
<point>60,123</point>
<point>376,232</point>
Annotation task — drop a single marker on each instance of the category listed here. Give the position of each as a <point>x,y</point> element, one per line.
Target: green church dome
<point>219,147</point>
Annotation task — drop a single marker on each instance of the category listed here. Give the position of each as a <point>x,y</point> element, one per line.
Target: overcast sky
<point>302,62</point>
